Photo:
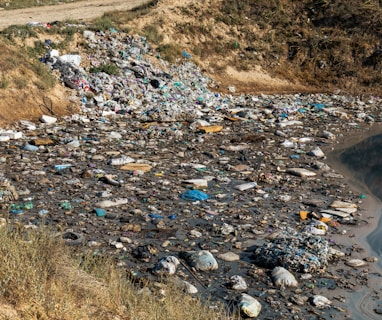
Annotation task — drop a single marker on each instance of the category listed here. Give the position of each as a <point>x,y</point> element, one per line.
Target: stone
<point>229,256</point>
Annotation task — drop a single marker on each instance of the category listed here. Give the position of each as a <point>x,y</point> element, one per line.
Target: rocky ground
<point>174,180</point>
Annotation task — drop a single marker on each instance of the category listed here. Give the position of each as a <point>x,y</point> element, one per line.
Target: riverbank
<point>364,299</point>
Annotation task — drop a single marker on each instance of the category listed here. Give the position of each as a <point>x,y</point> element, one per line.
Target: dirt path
<point>82,10</point>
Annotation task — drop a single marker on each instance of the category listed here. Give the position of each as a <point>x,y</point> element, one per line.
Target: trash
<point>301,252</point>
<point>300,172</point>
<point>282,277</point>
<point>121,161</point>
<point>186,55</point>
<point>136,167</point>
<point>100,212</point>
<point>72,238</point>
<point>29,147</point>
<point>211,129</point>
<point>186,286</point>
<point>166,266</point>
<point>48,119</point>
<point>108,203</point>
<point>237,282</point>
<point>316,227</point>
<point>73,59</point>
<point>249,306</point>
<point>246,186</point>
<point>201,183</point>
<point>202,260</point>
<point>144,253</point>
<point>66,205</point>
<point>194,195</point>
<point>316,152</point>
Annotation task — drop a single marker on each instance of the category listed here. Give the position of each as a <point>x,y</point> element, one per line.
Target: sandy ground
<point>82,11</point>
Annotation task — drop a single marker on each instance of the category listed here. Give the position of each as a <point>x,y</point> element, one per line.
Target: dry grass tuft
<point>40,278</point>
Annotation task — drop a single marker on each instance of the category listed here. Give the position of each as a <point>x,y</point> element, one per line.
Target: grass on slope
<point>40,278</point>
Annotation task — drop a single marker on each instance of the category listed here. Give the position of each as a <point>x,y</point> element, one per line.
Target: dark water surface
<point>363,165</point>
<point>365,162</point>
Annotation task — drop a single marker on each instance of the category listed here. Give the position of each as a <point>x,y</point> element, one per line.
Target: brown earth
<point>81,11</point>
<point>29,103</point>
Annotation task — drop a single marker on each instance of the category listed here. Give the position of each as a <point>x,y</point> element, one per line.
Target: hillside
<point>251,46</point>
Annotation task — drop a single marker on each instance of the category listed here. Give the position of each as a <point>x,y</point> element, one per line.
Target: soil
<point>83,11</point>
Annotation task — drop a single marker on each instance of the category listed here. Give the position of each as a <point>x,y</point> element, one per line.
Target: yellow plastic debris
<point>43,142</point>
<point>304,214</point>
<point>210,129</point>
<point>136,166</point>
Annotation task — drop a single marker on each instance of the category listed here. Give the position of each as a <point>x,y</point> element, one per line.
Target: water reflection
<point>365,161</point>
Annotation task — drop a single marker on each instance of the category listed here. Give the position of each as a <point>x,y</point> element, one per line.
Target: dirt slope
<point>82,11</point>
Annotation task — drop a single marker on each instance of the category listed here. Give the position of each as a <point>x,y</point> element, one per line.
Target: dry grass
<point>41,279</point>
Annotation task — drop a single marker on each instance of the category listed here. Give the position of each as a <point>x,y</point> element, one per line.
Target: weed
<point>4,82</point>
<point>104,23</point>
<point>20,82</point>
<point>38,272</point>
<point>152,34</point>
<point>45,76</point>
<point>22,32</point>
<point>106,68</point>
<point>170,52</point>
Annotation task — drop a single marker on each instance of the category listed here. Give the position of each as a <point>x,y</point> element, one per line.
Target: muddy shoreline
<point>363,300</point>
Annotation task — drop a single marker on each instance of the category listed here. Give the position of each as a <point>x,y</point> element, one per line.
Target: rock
<point>299,299</point>
<point>202,260</point>
<point>249,306</point>
<point>300,172</point>
<point>229,256</point>
<point>321,302</point>
<point>282,277</point>
<point>356,263</point>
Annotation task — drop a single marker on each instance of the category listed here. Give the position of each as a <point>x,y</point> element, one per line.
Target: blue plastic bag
<point>194,195</point>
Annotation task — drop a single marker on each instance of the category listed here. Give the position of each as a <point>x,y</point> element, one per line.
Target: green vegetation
<point>152,34</point>
<point>19,4</point>
<point>104,23</point>
<point>169,52</point>
<point>22,32</point>
<point>4,82</point>
<point>107,68</point>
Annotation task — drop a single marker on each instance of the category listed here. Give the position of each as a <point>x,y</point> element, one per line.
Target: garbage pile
<point>135,85</point>
<point>301,252</point>
<point>164,175</point>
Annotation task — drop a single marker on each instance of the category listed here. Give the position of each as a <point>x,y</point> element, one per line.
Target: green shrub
<point>107,68</point>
